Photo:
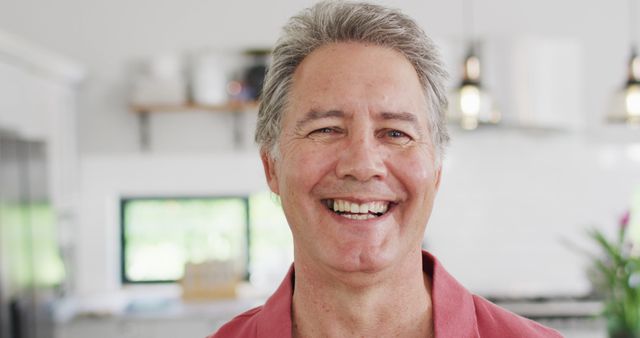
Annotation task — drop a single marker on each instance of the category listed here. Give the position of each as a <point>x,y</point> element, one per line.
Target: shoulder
<point>493,319</point>
<point>243,325</point>
<point>273,319</point>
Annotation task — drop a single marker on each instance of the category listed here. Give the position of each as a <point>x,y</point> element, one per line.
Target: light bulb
<point>470,106</point>
<point>632,101</point>
<point>470,100</point>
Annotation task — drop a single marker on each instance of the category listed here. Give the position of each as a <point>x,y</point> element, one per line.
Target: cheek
<point>417,175</point>
<point>419,169</point>
<point>304,167</point>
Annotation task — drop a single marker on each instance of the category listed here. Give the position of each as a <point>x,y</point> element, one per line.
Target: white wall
<point>108,36</point>
<point>511,202</point>
<point>507,197</point>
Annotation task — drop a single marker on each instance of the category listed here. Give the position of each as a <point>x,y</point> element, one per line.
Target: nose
<point>362,159</point>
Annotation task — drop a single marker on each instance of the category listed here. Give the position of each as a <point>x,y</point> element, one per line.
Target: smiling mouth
<point>364,211</point>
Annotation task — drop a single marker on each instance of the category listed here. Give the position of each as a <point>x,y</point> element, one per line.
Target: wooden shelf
<point>231,106</point>
<point>144,112</point>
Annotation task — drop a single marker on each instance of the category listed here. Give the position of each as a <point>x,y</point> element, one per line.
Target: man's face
<point>356,173</point>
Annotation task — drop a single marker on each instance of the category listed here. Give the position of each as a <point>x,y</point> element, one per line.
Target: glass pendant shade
<point>626,102</point>
<point>470,104</point>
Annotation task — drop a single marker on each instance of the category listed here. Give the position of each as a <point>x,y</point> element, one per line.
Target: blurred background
<point>132,198</point>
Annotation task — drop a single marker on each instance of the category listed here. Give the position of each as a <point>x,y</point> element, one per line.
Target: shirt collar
<point>275,318</point>
<point>454,313</point>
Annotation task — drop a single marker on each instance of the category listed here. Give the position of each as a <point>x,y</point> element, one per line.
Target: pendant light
<point>471,105</point>
<point>626,108</point>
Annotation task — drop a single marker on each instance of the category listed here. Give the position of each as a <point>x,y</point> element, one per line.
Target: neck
<point>394,302</point>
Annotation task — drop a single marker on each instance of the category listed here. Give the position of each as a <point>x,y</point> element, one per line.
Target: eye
<point>325,130</point>
<point>395,136</point>
<point>325,133</point>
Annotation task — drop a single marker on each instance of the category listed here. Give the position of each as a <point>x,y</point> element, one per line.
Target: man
<point>352,134</point>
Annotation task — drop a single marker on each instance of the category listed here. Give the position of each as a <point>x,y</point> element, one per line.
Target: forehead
<point>354,77</point>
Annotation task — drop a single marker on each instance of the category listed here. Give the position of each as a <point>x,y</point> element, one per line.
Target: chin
<point>364,259</point>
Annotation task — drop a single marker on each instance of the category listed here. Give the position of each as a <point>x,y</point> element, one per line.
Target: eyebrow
<point>405,117</point>
<point>402,116</point>
<point>313,115</point>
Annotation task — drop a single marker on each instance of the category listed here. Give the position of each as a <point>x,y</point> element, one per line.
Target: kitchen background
<point>101,156</point>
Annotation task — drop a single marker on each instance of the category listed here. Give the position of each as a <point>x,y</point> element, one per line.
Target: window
<point>160,235</point>
<point>28,235</point>
<point>271,242</point>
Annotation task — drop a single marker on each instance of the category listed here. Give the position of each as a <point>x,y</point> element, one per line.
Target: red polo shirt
<point>456,313</point>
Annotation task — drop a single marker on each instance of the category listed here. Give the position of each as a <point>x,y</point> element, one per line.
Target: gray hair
<point>338,21</point>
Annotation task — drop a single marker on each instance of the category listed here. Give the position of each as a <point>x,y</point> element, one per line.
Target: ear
<point>269,166</point>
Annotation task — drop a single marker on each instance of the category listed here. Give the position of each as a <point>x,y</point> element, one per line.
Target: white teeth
<point>358,216</point>
<point>382,207</point>
<point>355,208</point>
<point>374,206</point>
<point>361,209</point>
<point>364,208</point>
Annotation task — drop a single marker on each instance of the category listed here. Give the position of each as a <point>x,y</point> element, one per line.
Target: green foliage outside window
<point>29,236</point>
<point>161,235</point>
<point>271,242</point>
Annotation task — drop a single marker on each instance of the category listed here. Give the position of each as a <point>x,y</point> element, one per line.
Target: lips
<point>358,211</point>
